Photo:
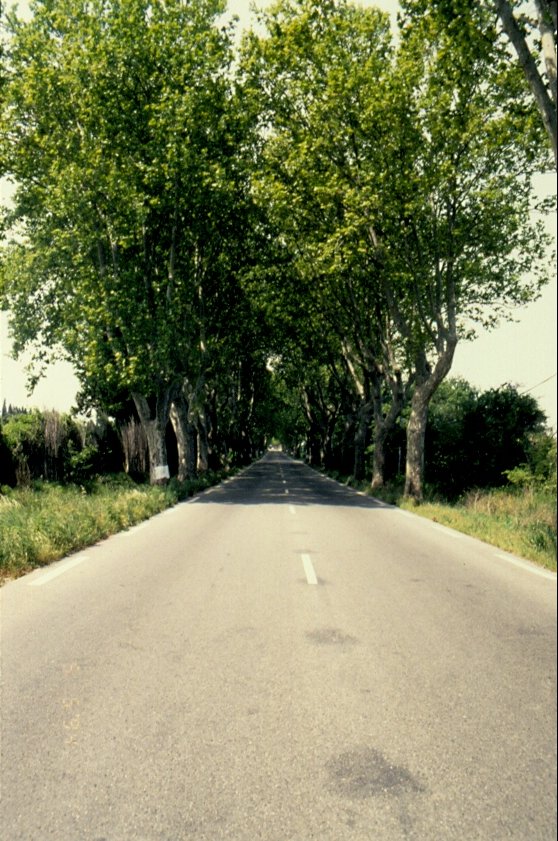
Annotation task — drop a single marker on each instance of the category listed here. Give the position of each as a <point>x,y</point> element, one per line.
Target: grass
<point>47,521</point>
<point>520,520</point>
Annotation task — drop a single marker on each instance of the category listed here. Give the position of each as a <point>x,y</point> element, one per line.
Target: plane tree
<point>462,247</point>
<point>313,386</point>
<point>521,32</point>
<point>230,351</point>
<point>120,134</point>
<point>403,181</point>
<point>320,78</point>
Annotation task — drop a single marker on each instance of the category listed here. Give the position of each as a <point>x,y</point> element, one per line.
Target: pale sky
<point>523,353</point>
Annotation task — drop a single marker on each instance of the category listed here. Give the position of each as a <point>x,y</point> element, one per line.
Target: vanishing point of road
<point>280,659</point>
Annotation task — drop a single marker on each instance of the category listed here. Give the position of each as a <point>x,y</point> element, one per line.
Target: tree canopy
<point>289,237</point>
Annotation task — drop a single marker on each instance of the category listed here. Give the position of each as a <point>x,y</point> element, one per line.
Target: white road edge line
<point>449,532</point>
<point>309,570</point>
<point>60,569</point>
<point>138,527</point>
<point>527,566</point>
<point>544,573</point>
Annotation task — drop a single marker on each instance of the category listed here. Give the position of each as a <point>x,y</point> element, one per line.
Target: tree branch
<point>546,106</point>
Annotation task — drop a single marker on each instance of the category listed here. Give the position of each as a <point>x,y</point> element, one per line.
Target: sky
<point>522,353</point>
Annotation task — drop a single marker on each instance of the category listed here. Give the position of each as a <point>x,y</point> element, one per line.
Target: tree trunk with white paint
<point>153,418</point>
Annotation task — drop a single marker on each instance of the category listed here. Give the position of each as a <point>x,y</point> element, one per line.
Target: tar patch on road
<point>365,772</point>
<point>330,636</point>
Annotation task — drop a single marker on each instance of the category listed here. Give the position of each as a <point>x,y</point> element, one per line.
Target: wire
<point>537,385</point>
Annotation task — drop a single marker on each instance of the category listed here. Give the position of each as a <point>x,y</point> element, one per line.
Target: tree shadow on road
<point>279,480</point>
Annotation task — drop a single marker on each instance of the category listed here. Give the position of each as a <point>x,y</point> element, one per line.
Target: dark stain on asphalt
<point>245,630</point>
<point>532,631</point>
<point>365,772</point>
<point>330,636</point>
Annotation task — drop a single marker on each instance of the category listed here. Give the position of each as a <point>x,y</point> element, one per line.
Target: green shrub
<point>7,472</point>
<point>482,440</point>
<point>24,437</point>
<point>57,447</point>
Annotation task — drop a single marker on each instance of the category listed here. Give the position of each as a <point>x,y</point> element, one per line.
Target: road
<point>280,659</point>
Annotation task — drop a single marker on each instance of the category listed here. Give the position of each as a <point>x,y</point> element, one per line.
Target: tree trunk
<point>203,443</point>
<point>186,438</point>
<point>379,457</point>
<point>154,422</point>
<point>362,431</point>
<point>191,450</point>
<point>177,412</point>
<point>416,432</point>
<point>315,431</point>
<point>428,381</point>
<point>314,449</point>
<point>383,424</point>
<point>214,441</point>
<point>546,106</point>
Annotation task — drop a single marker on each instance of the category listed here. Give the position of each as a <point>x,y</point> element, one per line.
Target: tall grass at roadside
<point>521,521</point>
<point>47,521</point>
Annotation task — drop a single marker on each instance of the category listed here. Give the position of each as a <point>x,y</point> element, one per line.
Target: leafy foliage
<point>405,202</point>
<point>291,243</point>
<point>481,440</point>
<point>120,141</point>
<point>56,447</point>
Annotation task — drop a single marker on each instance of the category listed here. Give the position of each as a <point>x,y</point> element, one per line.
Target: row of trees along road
<point>314,219</point>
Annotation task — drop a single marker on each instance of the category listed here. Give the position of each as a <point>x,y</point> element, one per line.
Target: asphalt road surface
<point>280,659</point>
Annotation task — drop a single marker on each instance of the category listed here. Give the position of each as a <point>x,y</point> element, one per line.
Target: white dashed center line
<point>309,570</point>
